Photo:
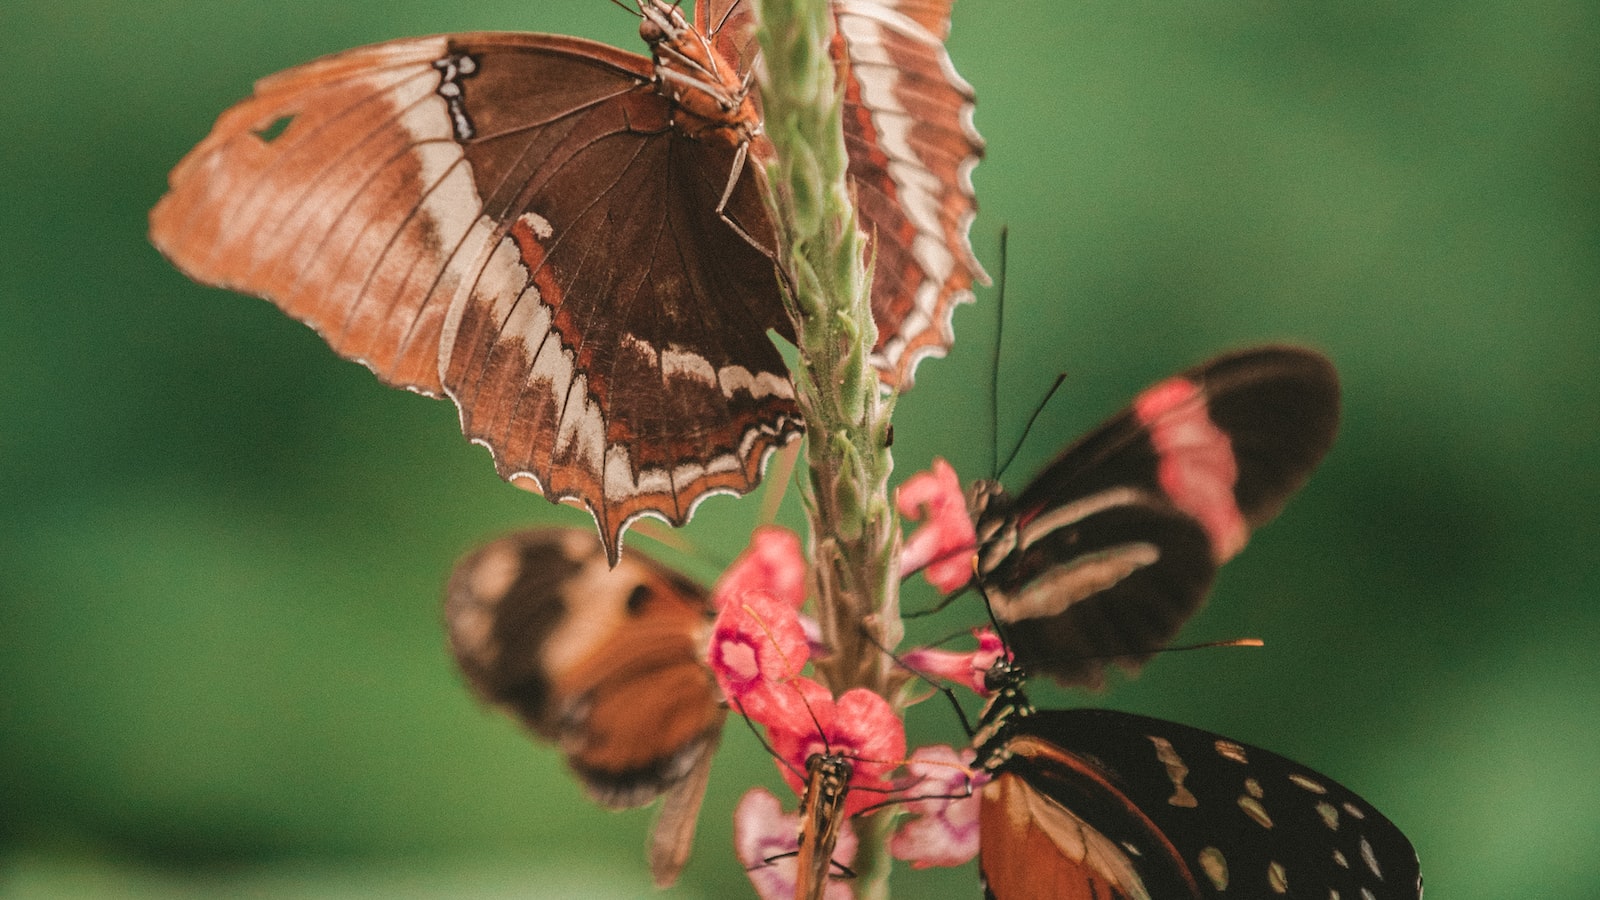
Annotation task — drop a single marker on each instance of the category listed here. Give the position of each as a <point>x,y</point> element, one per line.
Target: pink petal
<point>942,547</point>
<point>860,726</point>
<point>796,707</point>
<point>943,830</point>
<point>801,729</point>
<point>813,629</point>
<point>757,645</point>
<point>967,669</point>
<point>772,564</point>
<point>761,831</point>
<point>866,726</point>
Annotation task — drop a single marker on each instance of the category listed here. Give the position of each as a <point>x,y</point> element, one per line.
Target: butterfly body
<point>821,816</point>
<point>711,102</point>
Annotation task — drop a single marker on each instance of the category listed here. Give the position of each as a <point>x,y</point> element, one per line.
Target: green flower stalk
<point>855,536</point>
<point>855,533</point>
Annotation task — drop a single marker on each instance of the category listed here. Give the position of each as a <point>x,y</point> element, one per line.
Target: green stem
<point>855,536</point>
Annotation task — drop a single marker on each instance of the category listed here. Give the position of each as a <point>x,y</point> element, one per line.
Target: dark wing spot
<point>638,598</point>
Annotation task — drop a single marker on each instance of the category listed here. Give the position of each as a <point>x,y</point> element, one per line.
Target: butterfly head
<point>1003,682</point>
<point>710,100</point>
<point>661,22</point>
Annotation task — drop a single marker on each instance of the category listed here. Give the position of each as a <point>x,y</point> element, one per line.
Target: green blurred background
<point>221,664</point>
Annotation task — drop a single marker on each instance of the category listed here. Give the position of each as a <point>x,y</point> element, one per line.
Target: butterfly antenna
<point>673,539</point>
<point>988,609</point>
<point>994,361</point>
<point>771,751</point>
<point>1060,377</point>
<point>939,607</point>
<point>666,536</point>
<point>844,872</point>
<point>778,478</point>
<point>948,692</point>
<point>996,468</point>
<point>1178,648</point>
<point>632,11</point>
<point>726,15</point>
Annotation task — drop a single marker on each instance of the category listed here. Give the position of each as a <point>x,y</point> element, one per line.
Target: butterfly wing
<point>912,145</point>
<point>912,148</point>
<point>1141,807</point>
<point>510,219</point>
<point>604,662</point>
<point>1115,544</point>
<point>731,27</point>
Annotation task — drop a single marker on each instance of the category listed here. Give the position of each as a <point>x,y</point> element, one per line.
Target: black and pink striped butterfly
<point>1114,545</point>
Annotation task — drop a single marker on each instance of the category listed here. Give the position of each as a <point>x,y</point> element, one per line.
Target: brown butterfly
<point>565,240</point>
<point>604,662</point>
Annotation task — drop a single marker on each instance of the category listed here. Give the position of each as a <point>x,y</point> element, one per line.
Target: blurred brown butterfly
<point>604,662</point>
<point>564,238</point>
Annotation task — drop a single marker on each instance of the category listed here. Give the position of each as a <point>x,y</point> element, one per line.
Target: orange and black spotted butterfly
<point>1093,803</point>
<point>607,663</point>
<point>565,238</point>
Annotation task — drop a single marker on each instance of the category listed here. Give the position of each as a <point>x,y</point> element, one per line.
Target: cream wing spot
<point>1215,867</point>
<point>677,363</point>
<point>1253,808</point>
<point>735,379</point>
<point>539,225</point>
<point>1232,751</point>
<point>1072,513</point>
<point>1061,586</point>
<point>1329,814</point>
<point>581,434</point>
<point>1177,771</point>
<point>1371,859</point>
<point>1277,878</point>
<point>1307,783</point>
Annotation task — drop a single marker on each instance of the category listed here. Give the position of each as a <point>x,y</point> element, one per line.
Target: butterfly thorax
<point>1007,705</point>
<point>710,101</point>
<point>994,519</point>
<point>821,814</point>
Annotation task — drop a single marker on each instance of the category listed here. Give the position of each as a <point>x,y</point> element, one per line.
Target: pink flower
<point>944,830</point>
<point>757,646</point>
<point>942,547</point>
<point>763,831</point>
<point>859,726</point>
<point>959,668</point>
<point>771,564</point>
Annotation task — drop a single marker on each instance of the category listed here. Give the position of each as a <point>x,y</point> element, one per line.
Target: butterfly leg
<point>740,156</point>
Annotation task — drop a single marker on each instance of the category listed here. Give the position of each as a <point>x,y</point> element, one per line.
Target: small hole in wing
<point>275,130</point>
